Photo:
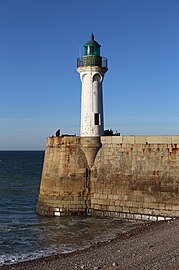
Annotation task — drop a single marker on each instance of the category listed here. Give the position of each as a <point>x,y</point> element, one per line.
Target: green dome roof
<point>92,42</point>
<point>92,48</point>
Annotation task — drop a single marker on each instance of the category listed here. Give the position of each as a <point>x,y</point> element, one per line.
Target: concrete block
<point>139,198</point>
<point>111,208</point>
<point>56,209</point>
<point>57,214</point>
<point>133,209</point>
<point>122,215</point>
<point>129,204</point>
<point>111,202</point>
<point>96,196</point>
<point>169,207</point>
<point>103,207</point>
<point>113,214</point>
<point>110,196</point>
<point>106,191</point>
<point>106,139</point>
<point>160,205</point>
<point>153,218</point>
<point>160,218</point>
<point>94,201</point>
<point>145,217</point>
<point>103,196</point>
<point>140,139</point>
<point>126,209</point>
<point>123,197</point>
<point>175,139</point>
<point>159,139</point>
<point>119,208</point>
<point>116,202</point>
<point>128,139</point>
<point>103,202</point>
<point>137,216</point>
<point>106,214</point>
<point>96,207</point>
<point>175,207</point>
<point>148,199</point>
<point>176,214</point>
<point>147,211</point>
<point>130,216</point>
<point>116,139</point>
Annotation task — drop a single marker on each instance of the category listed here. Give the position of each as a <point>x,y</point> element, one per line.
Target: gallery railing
<point>92,61</point>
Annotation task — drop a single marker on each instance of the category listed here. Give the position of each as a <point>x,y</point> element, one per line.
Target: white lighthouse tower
<point>92,68</point>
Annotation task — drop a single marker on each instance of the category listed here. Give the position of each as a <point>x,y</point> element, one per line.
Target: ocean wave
<point>53,250</point>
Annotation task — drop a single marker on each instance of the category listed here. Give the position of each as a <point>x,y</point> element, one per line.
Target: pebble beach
<point>152,246</point>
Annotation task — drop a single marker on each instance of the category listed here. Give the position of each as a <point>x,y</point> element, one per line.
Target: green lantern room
<point>92,55</point>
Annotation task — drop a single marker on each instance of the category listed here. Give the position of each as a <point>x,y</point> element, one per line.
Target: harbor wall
<point>133,177</point>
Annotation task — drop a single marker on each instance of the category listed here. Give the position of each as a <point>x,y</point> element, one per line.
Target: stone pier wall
<point>119,176</point>
<point>63,184</point>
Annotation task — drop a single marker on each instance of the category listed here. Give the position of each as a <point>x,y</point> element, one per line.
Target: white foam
<point>12,259</point>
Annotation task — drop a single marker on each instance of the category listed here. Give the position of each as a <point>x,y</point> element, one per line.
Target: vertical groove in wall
<point>88,190</point>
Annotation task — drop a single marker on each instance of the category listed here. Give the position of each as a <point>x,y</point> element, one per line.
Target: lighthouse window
<point>96,118</point>
<point>85,51</point>
<point>88,50</point>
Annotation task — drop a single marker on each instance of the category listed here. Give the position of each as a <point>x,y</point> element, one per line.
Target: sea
<point>24,235</point>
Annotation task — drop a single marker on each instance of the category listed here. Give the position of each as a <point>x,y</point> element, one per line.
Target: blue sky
<point>40,89</point>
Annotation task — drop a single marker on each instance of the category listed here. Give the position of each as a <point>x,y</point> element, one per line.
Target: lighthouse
<point>92,68</point>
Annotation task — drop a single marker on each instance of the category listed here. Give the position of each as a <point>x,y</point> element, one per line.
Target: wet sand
<point>152,246</point>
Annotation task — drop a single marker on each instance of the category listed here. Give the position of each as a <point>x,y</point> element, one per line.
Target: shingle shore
<point>152,246</point>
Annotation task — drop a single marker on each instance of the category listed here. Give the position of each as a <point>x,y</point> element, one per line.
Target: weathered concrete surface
<point>121,176</point>
<point>63,184</point>
<point>136,178</point>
